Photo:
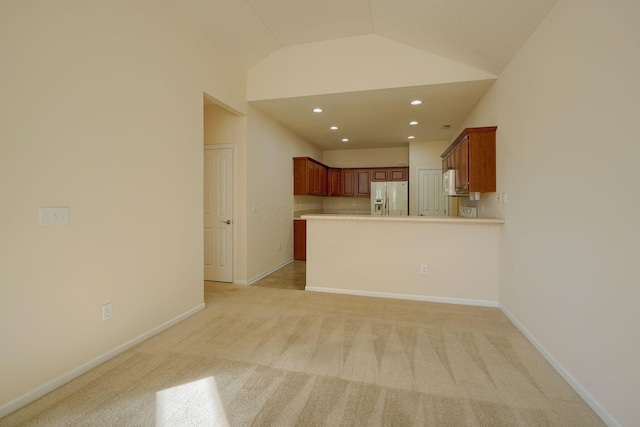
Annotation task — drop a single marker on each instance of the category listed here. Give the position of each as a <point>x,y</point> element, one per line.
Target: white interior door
<point>218,214</point>
<point>430,197</point>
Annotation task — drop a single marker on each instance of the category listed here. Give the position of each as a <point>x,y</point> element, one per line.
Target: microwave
<point>449,183</point>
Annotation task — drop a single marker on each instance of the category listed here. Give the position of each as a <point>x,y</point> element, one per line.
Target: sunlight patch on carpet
<point>196,403</point>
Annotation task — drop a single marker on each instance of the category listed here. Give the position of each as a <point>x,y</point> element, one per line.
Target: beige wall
<point>270,186</point>
<point>332,67</point>
<point>373,157</point>
<point>101,111</point>
<point>347,205</point>
<point>222,126</point>
<point>566,109</point>
<point>385,258</point>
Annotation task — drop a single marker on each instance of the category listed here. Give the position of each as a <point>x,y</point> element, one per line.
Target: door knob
<point>228,222</point>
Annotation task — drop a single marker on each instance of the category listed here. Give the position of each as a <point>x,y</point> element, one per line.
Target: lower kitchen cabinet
<point>299,239</point>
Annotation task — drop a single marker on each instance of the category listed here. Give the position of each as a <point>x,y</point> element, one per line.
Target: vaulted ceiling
<point>481,34</point>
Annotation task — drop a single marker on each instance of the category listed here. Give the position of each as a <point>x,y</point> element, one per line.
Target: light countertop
<point>436,219</point>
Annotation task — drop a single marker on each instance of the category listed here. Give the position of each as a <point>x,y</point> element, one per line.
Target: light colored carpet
<point>293,358</point>
<point>290,276</point>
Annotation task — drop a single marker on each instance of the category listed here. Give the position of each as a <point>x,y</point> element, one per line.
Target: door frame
<point>234,249</point>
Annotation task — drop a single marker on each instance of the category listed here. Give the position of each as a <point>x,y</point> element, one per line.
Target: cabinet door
<point>323,181</point>
<point>379,174</point>
<point>312,180</point>
<point>348,180</point>
<point>300,176</point>
<point>461,160</point>
<point>398,174</point>
<point>300,240</point>
<point>318,179</point>
<point>363,182</point>
<point>482,161</point>
<point>334,182</point>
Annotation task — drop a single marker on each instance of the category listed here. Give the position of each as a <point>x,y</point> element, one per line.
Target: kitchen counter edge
<point>440,219</point>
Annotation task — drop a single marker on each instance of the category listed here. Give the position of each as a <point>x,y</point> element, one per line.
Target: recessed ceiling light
<point>318,110</point>
<point>345,139</point>
<point>446,126</point>
<point>416,102</point>
<point>413,122</point>
<point>411,137</point>
<point>334,128</point>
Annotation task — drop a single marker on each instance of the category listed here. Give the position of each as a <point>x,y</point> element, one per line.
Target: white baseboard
<point>445,300</point>
<point>32,395</point>
<point>586,396</point>
<point>265,273</point>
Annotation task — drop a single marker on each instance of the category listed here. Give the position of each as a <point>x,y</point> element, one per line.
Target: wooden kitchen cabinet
<point>473,156</point>
<point>334,181</point>
<point>389,174</point>
<point>356,182</point>
<point>379,174</point>
<point>461,165</point>
<point>363,182</point>
<point>347,181</point>
<point>309,177</point>
<point>447,163</point>
<point>399,174</point>
<point>300,239</point>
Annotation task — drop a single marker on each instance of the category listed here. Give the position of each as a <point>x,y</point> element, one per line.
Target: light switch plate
<point>52,217</point>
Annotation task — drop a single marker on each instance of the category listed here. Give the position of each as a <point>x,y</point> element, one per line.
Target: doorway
<point>431,200</point>
<point>218,213</point>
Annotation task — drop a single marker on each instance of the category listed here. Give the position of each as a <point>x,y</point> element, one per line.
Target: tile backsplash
<point>347,205</point>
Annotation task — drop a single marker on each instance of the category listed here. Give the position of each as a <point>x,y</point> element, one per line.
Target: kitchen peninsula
<point>441,259</point>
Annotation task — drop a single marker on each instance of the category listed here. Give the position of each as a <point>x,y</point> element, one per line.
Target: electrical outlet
<point>423,269</point>
<point>52,217</point>
<point>504,198</point>
<point>353,203</point>
<point>107,311</point>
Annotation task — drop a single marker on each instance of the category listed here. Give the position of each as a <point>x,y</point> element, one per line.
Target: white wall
<point>101,111</point>
<point>566,109</point>
<point>384,257</point>
<point>344,65</point>
<point>222,126</point>
<point>364,158</point>
<point>271,149</point>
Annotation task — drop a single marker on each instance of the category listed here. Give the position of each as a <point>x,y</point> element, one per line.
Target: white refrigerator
<point>390,198</point>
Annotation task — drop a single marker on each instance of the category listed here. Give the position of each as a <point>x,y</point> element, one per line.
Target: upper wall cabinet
<point>310,177</point>
<point>335,182</point>
<point>390,174</point>
<point>473,156</point>
<point>355,182</point>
